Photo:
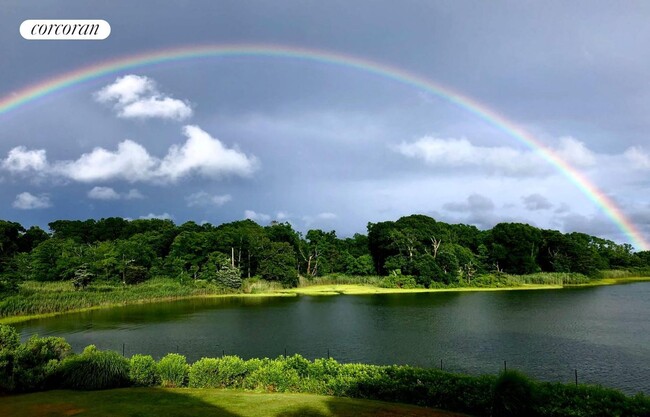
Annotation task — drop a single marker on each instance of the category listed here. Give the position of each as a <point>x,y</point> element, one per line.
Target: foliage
<point>278,264</point>
<point>512,395</point>
<point>82,277</point>
<point>228,371</point>
<point>273,376</point>
<point>435,253</point>
<point>143,371</point>
<point>173,370</point>
<point>229,277</point>
<point>256,285</point>
<point>36,360</point>
<point>9,338</point>
<point>94,369</point>
<point>397,280</point>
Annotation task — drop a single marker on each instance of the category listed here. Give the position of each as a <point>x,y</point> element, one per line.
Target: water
<point>603,332</point>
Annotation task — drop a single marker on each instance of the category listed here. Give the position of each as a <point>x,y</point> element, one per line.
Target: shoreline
<point>329,290</point>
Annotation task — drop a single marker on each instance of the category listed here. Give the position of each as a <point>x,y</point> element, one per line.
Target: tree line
<point>132,251</point>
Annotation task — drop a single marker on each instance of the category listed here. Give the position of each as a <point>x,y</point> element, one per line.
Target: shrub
<point>173,370</point>
<point>225,372</point>
<point>9,338</point>
<point>397,280</point>
<point>273,376</point>
<point>94,369</point>
<point>203,373</point>
<point>512,395</point>
<point>143,371</point>
<point>36,360</point>
<point>26,367</point>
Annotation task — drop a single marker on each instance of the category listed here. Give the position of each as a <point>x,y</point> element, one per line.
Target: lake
<point>602,332</point>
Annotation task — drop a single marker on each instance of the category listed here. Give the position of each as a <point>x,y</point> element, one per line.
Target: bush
<point>36,360</point>
<point>399,281</point>
<point>203,374</point>
<point>225,372</point>
<point>26,367</point>
<point>512,395</point>
<point>94,369</point>
<point>273,376</point>
<point>143,371</point>
<point>9,338</point>
<point>173,370</point>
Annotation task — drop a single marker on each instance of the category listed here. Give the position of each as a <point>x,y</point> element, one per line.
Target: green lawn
<point>140,402</point>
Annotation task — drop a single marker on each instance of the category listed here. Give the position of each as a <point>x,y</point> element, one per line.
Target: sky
<point>224,138</point>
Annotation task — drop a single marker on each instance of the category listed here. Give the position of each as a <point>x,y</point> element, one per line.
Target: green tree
<point>514,247</point>
<point>278,262</point>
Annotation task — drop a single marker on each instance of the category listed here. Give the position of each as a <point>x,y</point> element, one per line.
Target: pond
<point>602,332</point>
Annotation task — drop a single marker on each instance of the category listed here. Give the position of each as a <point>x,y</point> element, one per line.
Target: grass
<point>201,402</point>
<point>351,289</point>
<point>46,299</point>
<point>40,299</point>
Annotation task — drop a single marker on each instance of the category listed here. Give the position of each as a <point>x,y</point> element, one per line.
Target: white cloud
<point>19,159</point>
<point>163,216</point>
<point>200,154</point>
<point>126,89</point>
<point>204,155</point>
<point>130,162</point>
<point>461,153</point>
<point>27,201</point>
<point>138,97</point>
<point>164,108</point>
<point>638,157</point>
<point>575,152</point>
<point>534,202</point>
<point>252,215</point>
<point>108,193</point>
<point>202,198</point>
<point>103,193</point>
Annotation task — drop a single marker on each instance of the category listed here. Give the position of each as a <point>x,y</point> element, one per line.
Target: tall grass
<point>340,279</point>
<point>541,278</point>
<point>256,285</point>
<point>41,298</point>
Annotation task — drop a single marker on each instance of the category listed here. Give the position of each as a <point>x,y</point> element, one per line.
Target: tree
<point>362,265</point>
<point>514,247</point>
<point>192,249</point>
<point>321,254</point>
<point>82,277</point>
<point>426,270</point>
<point>278,262</point>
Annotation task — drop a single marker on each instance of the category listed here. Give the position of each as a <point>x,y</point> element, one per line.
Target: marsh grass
<point>256,285</point>
<point>339,279</point>
<point>35,298</point>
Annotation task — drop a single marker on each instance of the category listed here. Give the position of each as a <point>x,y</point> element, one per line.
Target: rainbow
<point>604,203</point>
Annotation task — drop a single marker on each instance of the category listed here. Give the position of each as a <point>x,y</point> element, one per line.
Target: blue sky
<point>324,146</point>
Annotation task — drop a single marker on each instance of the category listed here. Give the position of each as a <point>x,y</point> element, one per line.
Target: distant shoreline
<point>327,290</point>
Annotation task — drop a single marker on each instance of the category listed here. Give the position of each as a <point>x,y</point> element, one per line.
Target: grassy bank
<point>38,299</point>
<point>46,299</point>
<point>201,402</point>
